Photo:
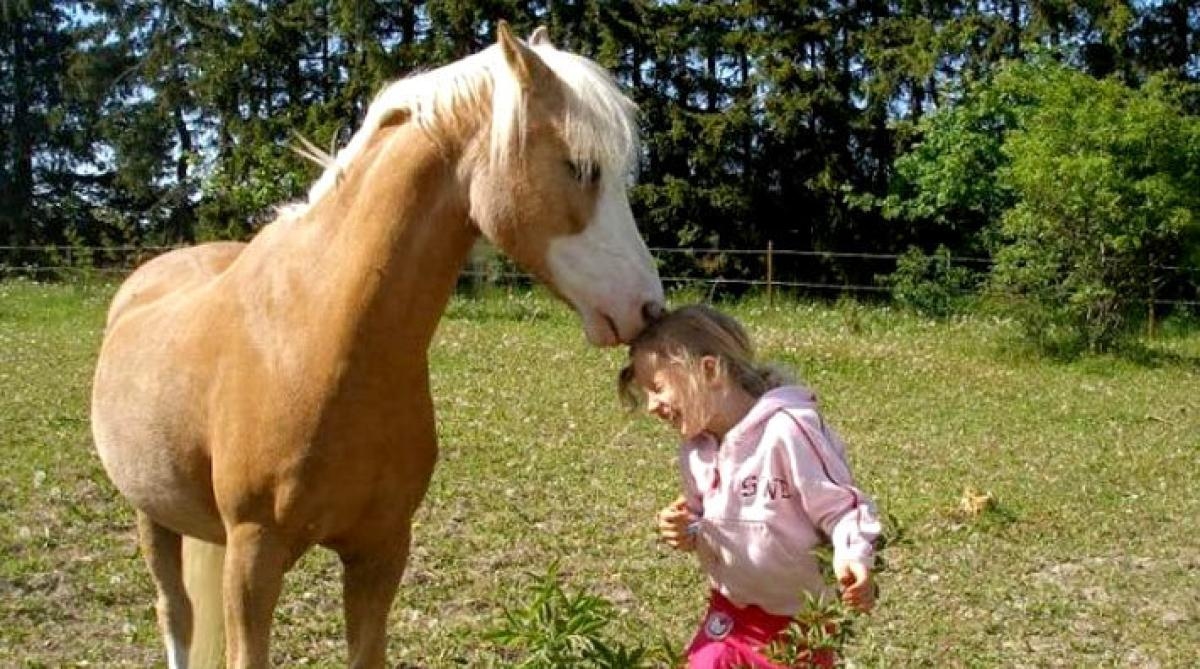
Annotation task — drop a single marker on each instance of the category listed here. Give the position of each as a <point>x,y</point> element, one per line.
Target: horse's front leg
<point>370,578</point>
<point>256,558</point>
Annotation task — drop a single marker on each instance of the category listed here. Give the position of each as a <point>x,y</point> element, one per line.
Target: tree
<point>1107,187</point>
<point>1078,188</point>
<point>785,121</point>
<point>38,145</point>
<point>1166,36</point>
<point>135,67</point>
<point>947,186</point>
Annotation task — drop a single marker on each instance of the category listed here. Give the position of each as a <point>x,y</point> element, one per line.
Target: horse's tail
<point>202,566</point>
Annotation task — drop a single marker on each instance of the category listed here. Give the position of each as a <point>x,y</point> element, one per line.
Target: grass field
<point>1091,559</point>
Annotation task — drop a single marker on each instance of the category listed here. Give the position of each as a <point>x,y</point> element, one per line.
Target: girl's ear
<point>710,368</point>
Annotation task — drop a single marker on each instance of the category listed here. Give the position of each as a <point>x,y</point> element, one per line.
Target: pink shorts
<point>731,636</point>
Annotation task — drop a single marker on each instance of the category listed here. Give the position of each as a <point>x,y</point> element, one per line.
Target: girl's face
<point>669,396</point>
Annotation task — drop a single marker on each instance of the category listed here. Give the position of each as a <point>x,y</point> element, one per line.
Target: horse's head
<point>543,143</point>
<point>548,179</point>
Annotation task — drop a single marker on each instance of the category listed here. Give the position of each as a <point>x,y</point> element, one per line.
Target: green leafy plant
<point>1108,183</point>
<point>1078,187</point>
<point>823,627</point>
<point>561,629</point>
<point>931,284</point>
<point>817,633</point>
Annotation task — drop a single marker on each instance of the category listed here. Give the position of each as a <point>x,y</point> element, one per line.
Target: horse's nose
<point>652,311</point>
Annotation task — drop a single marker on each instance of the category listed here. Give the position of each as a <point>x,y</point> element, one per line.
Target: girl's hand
<point>858,590</point>
<point>673,522</point>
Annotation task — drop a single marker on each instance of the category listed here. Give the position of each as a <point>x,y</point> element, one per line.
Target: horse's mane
<point>599,126</point>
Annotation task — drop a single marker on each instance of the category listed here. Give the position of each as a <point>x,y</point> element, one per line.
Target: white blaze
<point>606,272</point>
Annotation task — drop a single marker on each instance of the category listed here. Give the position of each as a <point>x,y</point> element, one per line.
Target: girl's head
<point>688,363</point>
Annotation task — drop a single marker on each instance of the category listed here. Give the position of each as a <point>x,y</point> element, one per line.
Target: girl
<point>765,481</point>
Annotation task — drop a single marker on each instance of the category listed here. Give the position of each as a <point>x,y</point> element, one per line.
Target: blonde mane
<point>599,125</point>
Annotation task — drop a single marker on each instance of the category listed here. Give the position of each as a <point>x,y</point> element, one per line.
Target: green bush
<point>931,284</point>
<point>1109,186</point>
<point>1078,187</point>
<point>560,629</point>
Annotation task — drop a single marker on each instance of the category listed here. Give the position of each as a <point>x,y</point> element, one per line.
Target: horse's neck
<point>378,256</point>
<point>414,238</point>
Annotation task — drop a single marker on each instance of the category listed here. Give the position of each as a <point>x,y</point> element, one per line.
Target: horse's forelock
<point>600,120</point>
<point>599,124</point>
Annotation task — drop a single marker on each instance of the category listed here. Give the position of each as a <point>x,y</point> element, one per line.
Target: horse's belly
<point>155,485</point>
<point>146,434</point>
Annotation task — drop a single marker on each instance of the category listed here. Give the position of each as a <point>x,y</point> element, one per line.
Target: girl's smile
<point>665,396</point>
<point>692,398</point>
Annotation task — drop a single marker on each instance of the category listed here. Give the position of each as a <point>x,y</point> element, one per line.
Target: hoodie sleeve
<point>817,463</point>
<point>688,470</point>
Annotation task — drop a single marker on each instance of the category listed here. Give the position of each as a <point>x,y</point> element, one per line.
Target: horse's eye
<point>587,173</point>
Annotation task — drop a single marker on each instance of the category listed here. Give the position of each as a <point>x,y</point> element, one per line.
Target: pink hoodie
<point>776,487</point>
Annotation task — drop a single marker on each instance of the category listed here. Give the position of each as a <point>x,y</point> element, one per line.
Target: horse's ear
<point>394,117</point>
<point>540,37</point>
<point>524,63</point>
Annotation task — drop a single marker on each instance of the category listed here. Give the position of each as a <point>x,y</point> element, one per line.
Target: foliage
<point>821,629</point>
<point>824,627</point>
<point>932,284</point>
<point>244,194</point>
<point>1078,187</point>
<point>162,123</point>
<point>1108,186</point>
<point>948,179</point>
<point>37,199</point>
<point>559,629</point>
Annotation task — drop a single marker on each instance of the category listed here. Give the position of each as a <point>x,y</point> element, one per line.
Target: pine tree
<point>37,149</point>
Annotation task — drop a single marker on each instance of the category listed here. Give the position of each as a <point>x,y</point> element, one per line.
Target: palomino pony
<point>273,396</point>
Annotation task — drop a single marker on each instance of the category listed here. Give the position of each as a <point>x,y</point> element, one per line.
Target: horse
<point>261,399</point>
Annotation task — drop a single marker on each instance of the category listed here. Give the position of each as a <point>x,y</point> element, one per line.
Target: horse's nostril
<point>652,311</point>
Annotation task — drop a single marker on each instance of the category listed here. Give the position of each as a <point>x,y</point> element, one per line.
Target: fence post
<point>1150,303</point>
<point>770,273</point>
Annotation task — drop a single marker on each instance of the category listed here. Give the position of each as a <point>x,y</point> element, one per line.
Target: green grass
<point>1095,560</point>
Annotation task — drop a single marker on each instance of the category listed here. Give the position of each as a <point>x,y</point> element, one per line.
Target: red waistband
<point>751,620</point>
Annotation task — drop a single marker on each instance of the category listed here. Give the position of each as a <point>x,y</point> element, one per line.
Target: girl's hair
<point>683,337</point>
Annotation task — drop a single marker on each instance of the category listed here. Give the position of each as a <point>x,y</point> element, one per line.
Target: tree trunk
<point>20,195</point>
<point>182,216</point>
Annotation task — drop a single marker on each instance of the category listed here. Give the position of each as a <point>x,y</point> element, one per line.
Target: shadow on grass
<point>1138,353</point>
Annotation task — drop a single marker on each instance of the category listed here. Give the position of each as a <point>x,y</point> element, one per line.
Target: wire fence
<point>769,270</point>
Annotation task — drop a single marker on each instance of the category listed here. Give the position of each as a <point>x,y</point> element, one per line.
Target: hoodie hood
<point>783,397</point>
